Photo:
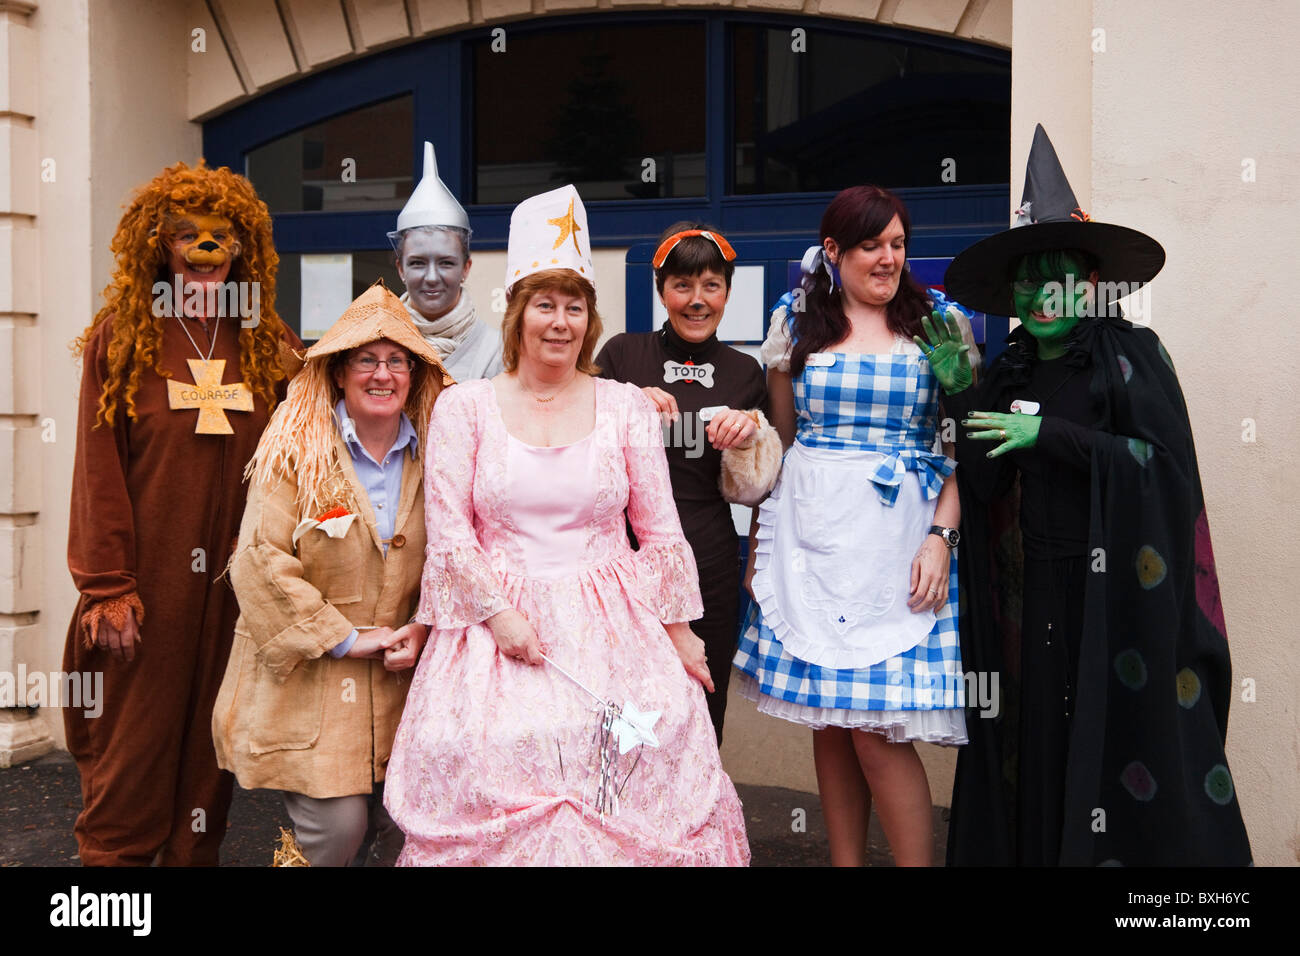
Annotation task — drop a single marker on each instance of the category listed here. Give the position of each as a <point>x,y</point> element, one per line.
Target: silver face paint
<point>433,267</point>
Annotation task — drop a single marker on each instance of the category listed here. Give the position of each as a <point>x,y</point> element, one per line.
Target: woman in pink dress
<point>542,613</point>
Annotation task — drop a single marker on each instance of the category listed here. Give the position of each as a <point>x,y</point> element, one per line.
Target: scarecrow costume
<point>318,558</point>
<point>171,409</point>
<point>1089,586</point>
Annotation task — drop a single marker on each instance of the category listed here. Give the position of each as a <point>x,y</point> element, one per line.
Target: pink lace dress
<point>495,760</point>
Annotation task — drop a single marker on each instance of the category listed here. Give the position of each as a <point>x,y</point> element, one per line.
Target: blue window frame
<point>436,73</point>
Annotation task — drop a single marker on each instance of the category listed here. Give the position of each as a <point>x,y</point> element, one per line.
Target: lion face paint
<point>200,248</point>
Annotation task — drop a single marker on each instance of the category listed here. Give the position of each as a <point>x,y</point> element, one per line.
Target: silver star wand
<point>621,729</point>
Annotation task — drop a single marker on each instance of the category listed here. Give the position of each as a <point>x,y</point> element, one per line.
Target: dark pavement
<point>39,802</point>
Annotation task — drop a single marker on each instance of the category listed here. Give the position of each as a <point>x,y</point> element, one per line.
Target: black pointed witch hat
<point>1049,218</point>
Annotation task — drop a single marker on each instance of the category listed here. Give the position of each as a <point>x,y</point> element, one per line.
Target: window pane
<point>856,109</point>
<point>356,160</point>
<point>367,266</point>
<point>589,107</point>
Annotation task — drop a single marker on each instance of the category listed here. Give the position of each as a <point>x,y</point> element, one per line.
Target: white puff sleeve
<point>776,349</point>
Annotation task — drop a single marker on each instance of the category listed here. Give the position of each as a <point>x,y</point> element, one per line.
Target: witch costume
<point>1089,581</point>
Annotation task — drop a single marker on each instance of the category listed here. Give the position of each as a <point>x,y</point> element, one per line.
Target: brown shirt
<point>156,507</point>
<point>735,380</point>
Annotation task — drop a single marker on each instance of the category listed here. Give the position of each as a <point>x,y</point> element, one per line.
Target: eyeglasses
<point>397,364</point>
<point>1030,286</point>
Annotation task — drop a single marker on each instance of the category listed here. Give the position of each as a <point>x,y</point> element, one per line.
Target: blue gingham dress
<point>884,408</point>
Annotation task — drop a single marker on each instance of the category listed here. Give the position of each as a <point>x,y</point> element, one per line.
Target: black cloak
<point>1146,781</point>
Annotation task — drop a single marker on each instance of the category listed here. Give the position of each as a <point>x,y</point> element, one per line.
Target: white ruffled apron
<point>836,584</point>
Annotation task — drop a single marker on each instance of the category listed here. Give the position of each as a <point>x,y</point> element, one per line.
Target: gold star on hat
<point>567,228</point>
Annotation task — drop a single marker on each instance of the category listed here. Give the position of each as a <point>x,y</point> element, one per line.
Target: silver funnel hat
<point>431,204</point>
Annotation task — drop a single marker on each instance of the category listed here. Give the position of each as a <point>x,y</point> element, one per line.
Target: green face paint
<point>1051,295</point>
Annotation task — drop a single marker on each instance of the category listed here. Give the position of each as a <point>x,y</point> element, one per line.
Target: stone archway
<point>242,48</point>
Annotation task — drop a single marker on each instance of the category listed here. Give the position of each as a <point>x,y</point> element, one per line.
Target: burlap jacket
<point>289,716</point>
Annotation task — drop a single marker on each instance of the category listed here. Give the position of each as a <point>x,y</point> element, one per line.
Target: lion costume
<point>180,372</point>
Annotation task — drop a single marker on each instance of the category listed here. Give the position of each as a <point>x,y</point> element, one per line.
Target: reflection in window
<point>856,109</point>
<point>616,110</point>
<point>356,160</point>
<point>367,266</point>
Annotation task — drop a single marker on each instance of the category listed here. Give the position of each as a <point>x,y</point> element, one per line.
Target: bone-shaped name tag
<point>678,372</point>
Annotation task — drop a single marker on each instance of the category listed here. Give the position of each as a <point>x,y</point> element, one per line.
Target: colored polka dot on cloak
<point>1140,449</point>
<point>1125,367</point>
<point>1218,785</point>
<point>1138,781</point>
<point>1164,354</point>
<point>1189,688</point>
<point>1151,567</point>
<point>1207,577</point>
<point>1131,669</point>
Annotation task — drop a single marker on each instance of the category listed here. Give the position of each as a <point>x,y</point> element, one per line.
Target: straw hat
<point>373,315</point>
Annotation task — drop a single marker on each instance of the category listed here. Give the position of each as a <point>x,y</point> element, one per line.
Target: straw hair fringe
<point>299,441</point>
<point>419,404</point>
<point>289,853</point>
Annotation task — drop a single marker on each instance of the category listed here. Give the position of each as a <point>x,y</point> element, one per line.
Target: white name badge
<point>706,414</point>
<point>1023,406</point>
<point>677,372</point>
<point>820,359</point>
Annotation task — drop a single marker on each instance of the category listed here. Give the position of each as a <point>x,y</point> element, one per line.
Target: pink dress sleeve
<point>458,587</point>
<point>665,564</point>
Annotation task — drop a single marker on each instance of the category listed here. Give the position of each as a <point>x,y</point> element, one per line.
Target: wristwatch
<point>950,536</point>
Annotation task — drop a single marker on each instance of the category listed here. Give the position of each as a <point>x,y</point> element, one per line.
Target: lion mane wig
<point>141,259</point>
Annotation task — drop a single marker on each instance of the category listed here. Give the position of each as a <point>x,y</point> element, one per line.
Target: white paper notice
<point>326,291</point>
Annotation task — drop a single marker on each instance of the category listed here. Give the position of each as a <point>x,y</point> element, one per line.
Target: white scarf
<point>447,333</point>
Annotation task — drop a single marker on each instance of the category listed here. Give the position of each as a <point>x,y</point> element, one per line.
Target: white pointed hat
<point>431,204</point>
<point>549,232</point>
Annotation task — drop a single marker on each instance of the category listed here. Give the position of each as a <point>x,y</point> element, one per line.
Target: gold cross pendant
<point>209,396</point>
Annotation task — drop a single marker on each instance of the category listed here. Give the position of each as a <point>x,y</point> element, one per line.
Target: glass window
<point>616,110</point>
<point>356,160</point>
<point>855,109</point>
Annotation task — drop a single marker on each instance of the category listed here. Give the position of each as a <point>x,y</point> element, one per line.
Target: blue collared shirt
<point>381,480</point>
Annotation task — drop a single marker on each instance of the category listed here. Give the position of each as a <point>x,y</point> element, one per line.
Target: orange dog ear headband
<point>670,243</point>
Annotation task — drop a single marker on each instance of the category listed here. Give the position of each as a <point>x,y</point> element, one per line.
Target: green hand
<point>946,351</point>
<point>1016,432</point>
